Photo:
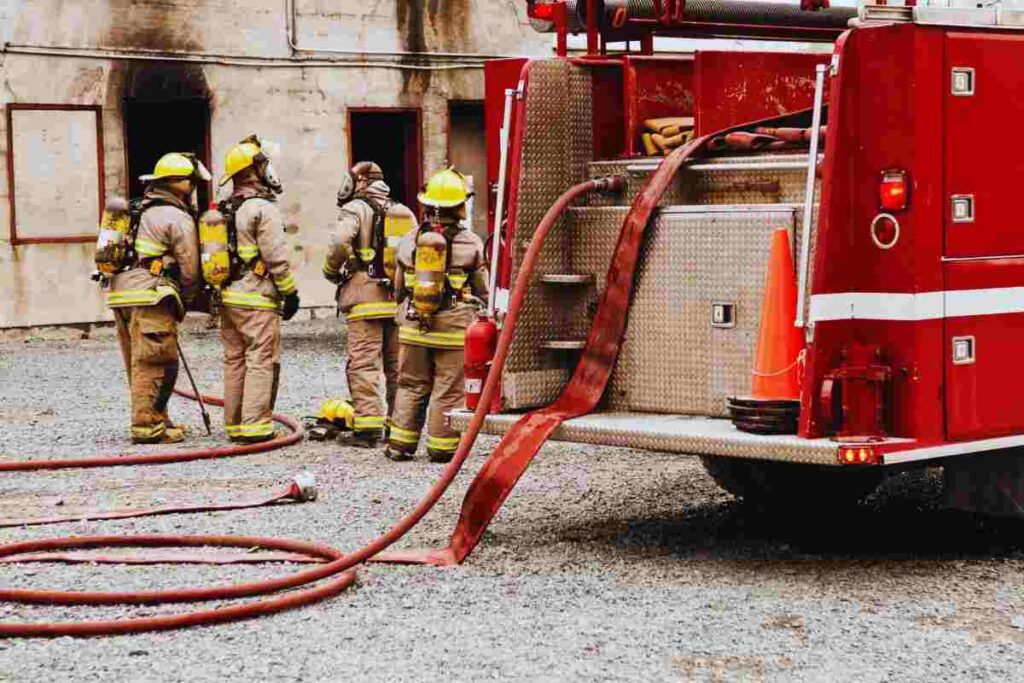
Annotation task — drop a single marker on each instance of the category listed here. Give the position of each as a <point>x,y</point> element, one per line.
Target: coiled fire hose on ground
<point>486,494</point>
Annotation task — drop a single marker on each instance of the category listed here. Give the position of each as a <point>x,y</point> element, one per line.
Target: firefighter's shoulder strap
<point>371,257</point>
<point>137,207</point>
<point>229,209</point>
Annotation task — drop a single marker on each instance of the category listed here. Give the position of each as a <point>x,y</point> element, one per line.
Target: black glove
<point>291,306</point>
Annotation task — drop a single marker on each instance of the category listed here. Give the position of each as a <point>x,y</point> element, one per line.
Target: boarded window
<point>55,164</point>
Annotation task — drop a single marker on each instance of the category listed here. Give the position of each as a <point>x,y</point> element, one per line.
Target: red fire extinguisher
<point>481,343</point>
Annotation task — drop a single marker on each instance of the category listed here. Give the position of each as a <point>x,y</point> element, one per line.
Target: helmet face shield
<point>268,174</point>
<point>201,173</point>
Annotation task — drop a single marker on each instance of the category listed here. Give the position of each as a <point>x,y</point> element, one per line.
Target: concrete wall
<point>301,106</point>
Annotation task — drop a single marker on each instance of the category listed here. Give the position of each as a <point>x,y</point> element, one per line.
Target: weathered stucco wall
<point>304,108</point>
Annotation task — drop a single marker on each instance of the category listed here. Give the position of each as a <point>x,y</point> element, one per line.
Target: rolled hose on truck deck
<point>484,498</point>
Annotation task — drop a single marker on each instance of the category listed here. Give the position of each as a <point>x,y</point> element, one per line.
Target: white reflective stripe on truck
<point>921,306</point>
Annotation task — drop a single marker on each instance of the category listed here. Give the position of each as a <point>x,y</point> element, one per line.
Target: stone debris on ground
<point>605,563</point>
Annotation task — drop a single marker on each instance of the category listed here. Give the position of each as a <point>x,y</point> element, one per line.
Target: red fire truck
<point>907,266</point>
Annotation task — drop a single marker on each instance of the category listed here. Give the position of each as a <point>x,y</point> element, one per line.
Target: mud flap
<point>989,484</point>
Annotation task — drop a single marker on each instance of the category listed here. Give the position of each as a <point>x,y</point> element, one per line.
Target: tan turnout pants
<point>372,350</point>
<point>148,338</point>
<point>252,353</point>
<point>430,383</point>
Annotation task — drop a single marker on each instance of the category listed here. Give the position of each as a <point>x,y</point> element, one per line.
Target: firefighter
<point>260,292</point>
<point>442,278</point>
<point>361,261</point>
<point>149,293</point>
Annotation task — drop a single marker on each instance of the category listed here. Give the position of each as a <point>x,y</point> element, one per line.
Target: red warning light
<point>544,11</point>
<point>892,191</point>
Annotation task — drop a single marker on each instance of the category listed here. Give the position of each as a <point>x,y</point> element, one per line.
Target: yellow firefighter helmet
<point>338,411</point>
<point>238,158</point>
<point>447,188</point>
<point>176,165</point>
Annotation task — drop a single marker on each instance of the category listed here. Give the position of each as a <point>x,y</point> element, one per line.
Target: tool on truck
<point>907,271</point>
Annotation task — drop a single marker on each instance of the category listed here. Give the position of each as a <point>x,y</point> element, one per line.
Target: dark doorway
<point>391,138</point>
<point>467,150</point>
<point>154,128</point>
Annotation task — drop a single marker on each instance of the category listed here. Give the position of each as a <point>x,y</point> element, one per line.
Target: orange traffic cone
<point>779,342</point>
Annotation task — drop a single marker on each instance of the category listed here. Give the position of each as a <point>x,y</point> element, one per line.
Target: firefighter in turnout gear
<point>442,278</point>
<point>361,261</point>
<point>150,288</point>
<point>260,291</point>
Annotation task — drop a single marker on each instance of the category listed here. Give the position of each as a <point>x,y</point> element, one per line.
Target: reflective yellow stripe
<point>328,270</point>
<point>369,422</point>
<point>285,285</point>
<point>366,254</point>
<point>258,429</point>
<point>448,340</point>
<point>378,309</point>
<point>248,251</point>
<point>406,436</point>
<point>132,297</point>
<point>247,300</point>
<point>438,443</point>
<point>141,297</point>
<point>147,248</point>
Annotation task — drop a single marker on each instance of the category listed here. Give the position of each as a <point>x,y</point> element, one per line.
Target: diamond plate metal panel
<point>533,387</point>
<point>673,359</point>
<point>557,146</point>
<point>673,434</point>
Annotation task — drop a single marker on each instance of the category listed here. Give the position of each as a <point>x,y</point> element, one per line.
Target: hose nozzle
<point>303,489</point>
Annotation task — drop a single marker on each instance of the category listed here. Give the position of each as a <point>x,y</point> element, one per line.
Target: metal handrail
<point>812,172</point>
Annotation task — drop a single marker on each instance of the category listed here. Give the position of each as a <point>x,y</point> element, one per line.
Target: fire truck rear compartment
<point>695,313</point>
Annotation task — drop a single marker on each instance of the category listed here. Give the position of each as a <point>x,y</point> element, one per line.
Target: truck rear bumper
<point>674,434</point>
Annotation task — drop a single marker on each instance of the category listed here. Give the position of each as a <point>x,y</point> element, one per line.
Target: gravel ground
<point>605,564</point>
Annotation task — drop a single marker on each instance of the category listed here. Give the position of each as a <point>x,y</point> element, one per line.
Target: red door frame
<point>413,157</point>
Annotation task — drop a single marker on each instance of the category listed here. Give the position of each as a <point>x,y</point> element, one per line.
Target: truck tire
<point>768,484</point>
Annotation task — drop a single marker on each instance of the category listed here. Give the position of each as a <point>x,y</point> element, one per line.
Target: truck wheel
<point>779,485</point>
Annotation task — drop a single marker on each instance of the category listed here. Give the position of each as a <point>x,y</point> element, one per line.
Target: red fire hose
<point>166,457</point>
<point>338,568</point>
<point>520,444</point>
